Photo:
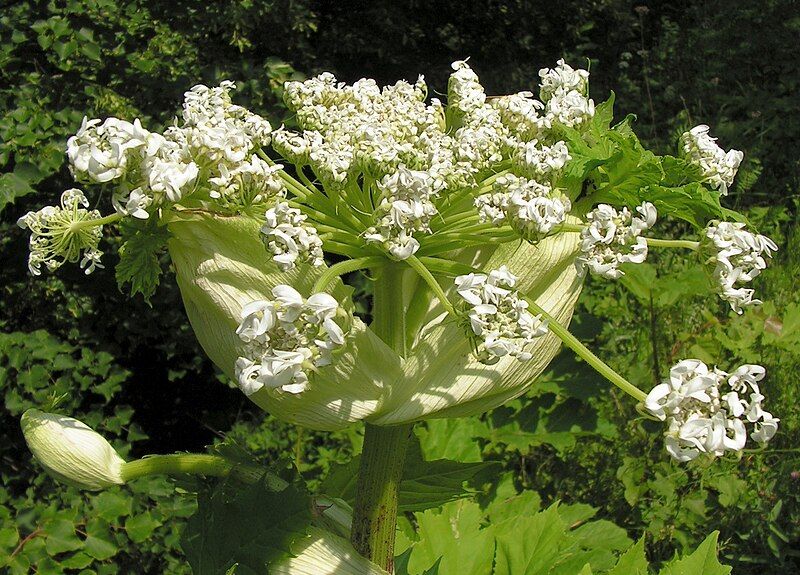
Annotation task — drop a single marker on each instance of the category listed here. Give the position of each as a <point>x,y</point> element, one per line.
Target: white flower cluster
<point>531,208</point>
<point>285,338</point>
<point>290,239</point>
<point>739,258</point>
<point>148,166</point>
<point>542,161</point>
<point>499,317</point>
<point>248,182</point>
<point>405,203</point>
<point>217,139</point>
<point>63,233</point>
<point>717,166</point>
<point>612,238</point>
<point>704,407</point>
<point>564,92</point>
<point>347,129</point>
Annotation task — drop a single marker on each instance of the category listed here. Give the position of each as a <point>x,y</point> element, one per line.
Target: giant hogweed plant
<point>476,219</point>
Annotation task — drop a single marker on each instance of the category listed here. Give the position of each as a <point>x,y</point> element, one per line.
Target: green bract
<point>220,267</point>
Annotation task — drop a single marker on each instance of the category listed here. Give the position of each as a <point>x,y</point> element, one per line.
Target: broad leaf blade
<point>249,525</point>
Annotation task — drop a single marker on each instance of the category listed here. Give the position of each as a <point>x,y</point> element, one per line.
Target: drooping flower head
<point>441,197</point>
<point>704,409</point>
<point>717,166</point>
<point>739,256</point>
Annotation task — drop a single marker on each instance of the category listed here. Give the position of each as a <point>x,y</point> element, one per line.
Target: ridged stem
<point>375,513</point>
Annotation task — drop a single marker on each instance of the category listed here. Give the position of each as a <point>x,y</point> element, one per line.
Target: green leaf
<point>9,537</point>
<point>110,505</point>
<point>140,527</point>
<point>632,562</point>
<point>252,526</point>
<point>138,264</point>
<point>429,484</point>
<point>702,562</point>
<point>602,534</point>
<point>604,114</point>
<point>640,279</point>
<point>99,542</point>
<point>529,546</point>
<point>453,538</point>
<point>454,438</point>
<point>91,51</point>
<point>12,186</point>
<point>61,537</point>
<point>79,560</point>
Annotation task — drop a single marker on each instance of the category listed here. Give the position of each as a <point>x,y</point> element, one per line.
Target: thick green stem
<point>195,464</point>
<point>375,513</point>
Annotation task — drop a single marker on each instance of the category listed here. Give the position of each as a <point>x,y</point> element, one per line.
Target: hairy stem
<point>375,513</point>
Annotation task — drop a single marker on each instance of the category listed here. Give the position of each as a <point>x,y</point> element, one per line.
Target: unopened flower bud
<point>71,451</point>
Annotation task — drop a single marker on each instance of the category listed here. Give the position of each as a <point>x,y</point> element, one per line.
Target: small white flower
<point>540,160</point>
<point>290,239</point>
<point>284,338</point>
<point>498,316</point>
<point>717,166</point>
<point>464,90</point>
<point>740,257</point>
<point>703,409</point>
<point>612,238</point>
<point>405,207</point>
<point>248,182</point>
<point>133,204</point>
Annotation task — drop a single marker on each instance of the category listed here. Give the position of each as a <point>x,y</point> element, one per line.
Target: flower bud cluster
<point>363,128</point>
<point>531,208</point>
<point>704,409</point>
<point>717,166</point>
<point>614,237</point>
<point>101,152</point>
<point>250,182</point>
<point>408,151</point>
<point>290,239</point>
<point>63,234</point>
<point>499,317</point>
<point>284,338</point>
<point>739,258</point>
<point>406,208</point>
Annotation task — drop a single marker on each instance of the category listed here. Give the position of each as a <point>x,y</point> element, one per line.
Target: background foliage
<point>673,64</point>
